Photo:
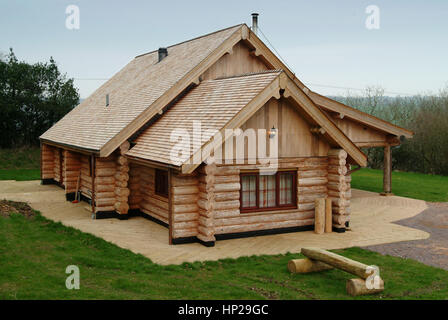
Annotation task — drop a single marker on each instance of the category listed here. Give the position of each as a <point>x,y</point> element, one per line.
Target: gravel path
<point>432,251</point>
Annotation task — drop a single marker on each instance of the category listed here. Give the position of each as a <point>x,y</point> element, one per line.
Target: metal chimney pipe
<point>255,23</point>
<point>163,53</point>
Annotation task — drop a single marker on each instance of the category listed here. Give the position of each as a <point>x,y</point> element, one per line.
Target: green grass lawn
<point>406,184</point>
<point>20,174</point>
<point>20,164</point>
<point>35,253</point>
<point>22,158</point>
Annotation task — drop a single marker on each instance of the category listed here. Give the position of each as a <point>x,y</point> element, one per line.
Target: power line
<point>356,89</point>
<point>273,48</point>
<point>322,85</point>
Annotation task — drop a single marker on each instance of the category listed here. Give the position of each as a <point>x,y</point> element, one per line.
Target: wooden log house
<point>119,142</point>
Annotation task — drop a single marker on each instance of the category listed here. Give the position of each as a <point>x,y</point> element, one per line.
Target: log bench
<point>321,260</point>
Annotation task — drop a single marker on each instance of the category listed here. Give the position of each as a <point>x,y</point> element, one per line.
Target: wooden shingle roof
<point>213,103</point>
<point>131,91</point>
<point>225,104</point>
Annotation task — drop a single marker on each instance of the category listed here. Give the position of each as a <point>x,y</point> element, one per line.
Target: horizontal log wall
<point>339,187</point>
<point>312,180</point>
<point>184,195</point>
<point>71,170</point>
<point>86,176</point>
<point>312,183</point>
<point>47,162</point>
<point>152,204</point>
<point>105,170</point>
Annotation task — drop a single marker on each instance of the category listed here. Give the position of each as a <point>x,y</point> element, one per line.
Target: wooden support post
<point>387,171</point>
<point>328,216</point>
<point>319,216</point>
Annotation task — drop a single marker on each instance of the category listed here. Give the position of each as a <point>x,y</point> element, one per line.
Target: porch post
<point>387,171</point>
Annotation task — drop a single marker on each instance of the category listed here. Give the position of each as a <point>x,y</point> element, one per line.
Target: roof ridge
<point>248,74</point>
<point>196,38</point>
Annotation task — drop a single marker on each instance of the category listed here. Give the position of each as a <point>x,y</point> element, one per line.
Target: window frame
<point>277,206</point>
<point>159,173</point>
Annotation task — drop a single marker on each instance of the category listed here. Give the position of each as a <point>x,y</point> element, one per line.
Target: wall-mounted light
<point>272,132</point>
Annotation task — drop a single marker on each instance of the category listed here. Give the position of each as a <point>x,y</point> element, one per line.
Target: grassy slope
<point>20,164</point>
<point>35,253</point>
<point>406,184</point>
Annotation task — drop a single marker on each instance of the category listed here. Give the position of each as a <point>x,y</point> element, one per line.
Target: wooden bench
<point>320,260</point>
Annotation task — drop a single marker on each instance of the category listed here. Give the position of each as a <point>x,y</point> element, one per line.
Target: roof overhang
<point>70,147</point>
<point>359,116</point>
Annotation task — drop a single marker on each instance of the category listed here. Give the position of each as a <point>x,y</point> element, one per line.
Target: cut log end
<point>358,287</point>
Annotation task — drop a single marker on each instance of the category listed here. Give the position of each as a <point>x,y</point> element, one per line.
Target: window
<point>268,192</point>
<point>161,183</point>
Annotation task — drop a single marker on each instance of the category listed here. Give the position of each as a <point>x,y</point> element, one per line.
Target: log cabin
<point>115,149</point>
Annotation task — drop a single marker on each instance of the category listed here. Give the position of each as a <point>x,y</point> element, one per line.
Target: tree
<point>32,98</point>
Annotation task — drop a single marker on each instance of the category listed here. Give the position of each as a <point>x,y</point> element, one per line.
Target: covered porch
<point>366,131</point>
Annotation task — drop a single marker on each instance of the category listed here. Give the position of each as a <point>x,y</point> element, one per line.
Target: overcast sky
<point>326,43</point>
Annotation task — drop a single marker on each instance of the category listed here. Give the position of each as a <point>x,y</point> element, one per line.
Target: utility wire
<point>357,89</point>
<point>321,85</point>
<point>273,48</point>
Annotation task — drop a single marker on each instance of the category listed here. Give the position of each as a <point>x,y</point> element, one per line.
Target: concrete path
<point>371,224</point>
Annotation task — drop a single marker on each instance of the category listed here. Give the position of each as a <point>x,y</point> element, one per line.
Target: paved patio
<point>371,224</point>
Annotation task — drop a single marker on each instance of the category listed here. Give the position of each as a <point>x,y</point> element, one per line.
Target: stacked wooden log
<point>226,183</point>
<point>312,182</point>
<point>206,203</point>
<point>47,161</point>
<point>71,170</point>
<point>339,187</point>
<point>104,181</point>
<point>152,204</point>
<point>184,195</point>
<point>122,191</point>
<point>134,187</point>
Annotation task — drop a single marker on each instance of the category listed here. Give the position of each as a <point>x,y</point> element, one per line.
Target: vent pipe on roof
<point>255,23</point>
<point>163,53</point>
